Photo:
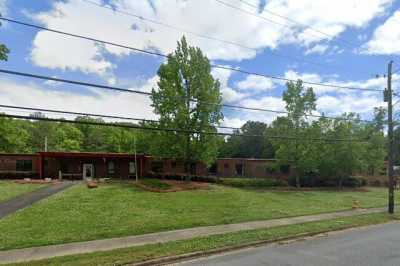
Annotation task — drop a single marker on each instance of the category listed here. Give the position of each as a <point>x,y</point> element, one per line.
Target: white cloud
<point>373,83</point>
<point>233,122</point>
<point>330,17</point>
<point>254,83</point>
<point>361,104</point>
<point>268,102</point>
<point>311,77</point>
<point>229,95</point>
<point>386,37</point>
<point>97,102</point>
<point>55,51</point>
<point>317,49</point>
<point>3,7</point>
<point>52,82</point>
<point>148,84</point>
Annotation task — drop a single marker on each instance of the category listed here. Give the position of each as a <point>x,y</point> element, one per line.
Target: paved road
<point>377,245</point>
<point>28,199</point>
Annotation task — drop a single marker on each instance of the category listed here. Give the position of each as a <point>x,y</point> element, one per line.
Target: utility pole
<point>136,166</point>
<point>388,98</point>
<point>45,143</point>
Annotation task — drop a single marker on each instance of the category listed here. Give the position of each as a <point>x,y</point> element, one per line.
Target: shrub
<point>312,180</point>
<point>376,183</point>
<point>351,181</point>
<point>272,168</point>
<point>155,184</point>
<point>251,183</point>
<point>206,179</point>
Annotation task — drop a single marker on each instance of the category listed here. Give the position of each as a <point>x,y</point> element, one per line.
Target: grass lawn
<point>155,184</point>
<point>9,189</point>
<point>251,183</point>
<point>203,244</point>
<point>114,210</point>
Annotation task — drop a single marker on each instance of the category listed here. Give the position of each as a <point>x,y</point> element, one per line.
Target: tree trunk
<point>187,148</point>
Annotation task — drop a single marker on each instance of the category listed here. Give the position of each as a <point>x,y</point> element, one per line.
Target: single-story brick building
<point>23,165</point>
<point>86,165</point>
<point>167,166</point>
<point>252,168</point>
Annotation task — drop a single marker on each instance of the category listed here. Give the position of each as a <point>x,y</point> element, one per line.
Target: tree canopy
<point>182,101</point>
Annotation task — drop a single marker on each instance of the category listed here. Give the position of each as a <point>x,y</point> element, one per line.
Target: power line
<point>292,80</point>
<point>93,115</point>
<point>167,56</point>
<point>174,130</point>
<point>24,74</point>
<point>251,13</point>
<point>177,28</point>
<point>296,22</point>
<point>333,37</point>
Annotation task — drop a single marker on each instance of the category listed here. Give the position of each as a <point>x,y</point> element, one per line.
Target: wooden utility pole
<point>136,166</point>
<point>388,98</point>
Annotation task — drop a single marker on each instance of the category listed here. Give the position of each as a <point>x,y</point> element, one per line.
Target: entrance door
<point>88,171</point>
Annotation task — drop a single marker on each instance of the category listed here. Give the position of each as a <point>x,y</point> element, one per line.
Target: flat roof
<point>247,159</point>
<point>89,154</point>
<point>18,154</point>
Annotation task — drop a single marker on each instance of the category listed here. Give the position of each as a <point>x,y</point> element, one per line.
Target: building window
<point>173,165</point>
<point>193,167</point>
<point>226,166</point>
<point>24,165</point>
<point>64,167</point>
<point>157,166</point>
<point>285,169</point>
<point>111,167</point>
<point>132,168</point>
<point>239,169</point>
<point>213,169</point>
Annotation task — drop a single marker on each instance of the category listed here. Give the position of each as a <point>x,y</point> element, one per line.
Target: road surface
<point>377,245</point>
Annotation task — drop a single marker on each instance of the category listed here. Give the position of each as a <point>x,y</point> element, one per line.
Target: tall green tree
<point>300,102</point>
<point>93,136</point>
<point>68,138</point>
<point>13,137</point>
<point>248,147</point>
<point>39,132</point>
<point>375,148</point>
<point>182,101</point>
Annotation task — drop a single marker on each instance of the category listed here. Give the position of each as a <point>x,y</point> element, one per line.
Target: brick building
<point>86,165</point>
<point>251,168</point>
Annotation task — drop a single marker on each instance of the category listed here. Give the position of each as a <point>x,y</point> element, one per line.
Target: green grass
<point>115,210</point>
<point>253,183</point>
<point>9,189</point>
<point>155,184</point>
<point>203,244</point>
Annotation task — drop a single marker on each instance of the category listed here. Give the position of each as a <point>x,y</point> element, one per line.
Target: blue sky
<point>347,43</point>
